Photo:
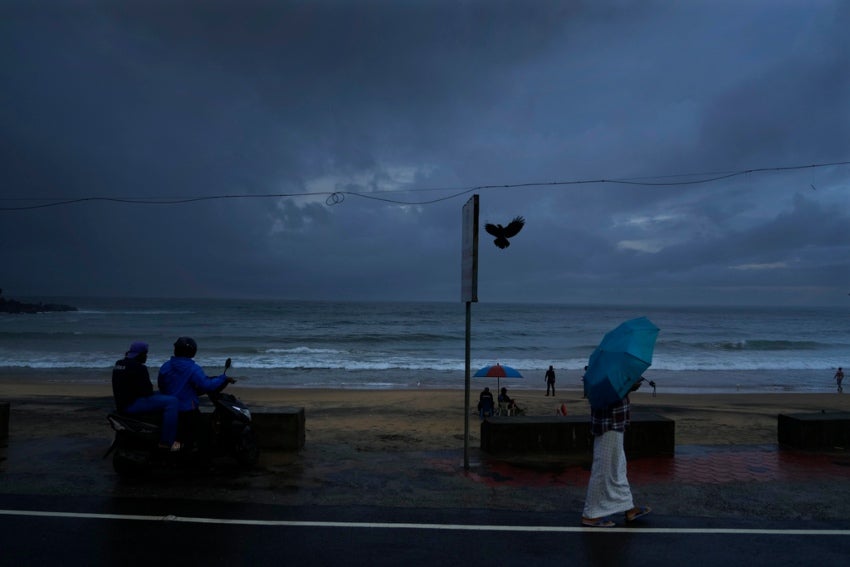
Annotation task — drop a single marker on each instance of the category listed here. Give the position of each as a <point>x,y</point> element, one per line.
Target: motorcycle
<point>226,431</point>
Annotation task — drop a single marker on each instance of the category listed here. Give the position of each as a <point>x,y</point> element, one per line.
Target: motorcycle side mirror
<point>227,364</point>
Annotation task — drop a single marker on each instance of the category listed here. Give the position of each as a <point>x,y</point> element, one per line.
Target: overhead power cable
<point>337,197</point>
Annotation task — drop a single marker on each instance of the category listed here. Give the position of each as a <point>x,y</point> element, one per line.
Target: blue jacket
<point>183,378</point>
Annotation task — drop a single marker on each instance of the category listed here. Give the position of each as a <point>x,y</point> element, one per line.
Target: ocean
<point>295,344</point>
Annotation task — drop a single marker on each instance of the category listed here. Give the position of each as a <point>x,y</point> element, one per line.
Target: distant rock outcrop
<point>13,306</point>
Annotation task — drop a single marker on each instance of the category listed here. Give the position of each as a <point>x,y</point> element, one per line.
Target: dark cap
<point>136,349</point>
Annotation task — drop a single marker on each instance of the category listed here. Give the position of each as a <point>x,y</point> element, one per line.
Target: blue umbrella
<point>497,371</point>
<point>619,361</point>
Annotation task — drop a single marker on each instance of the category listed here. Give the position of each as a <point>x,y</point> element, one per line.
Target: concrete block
<point>648,435</point>
<point>4,420</point>
<point>279,428</point>
<point>814,430</point>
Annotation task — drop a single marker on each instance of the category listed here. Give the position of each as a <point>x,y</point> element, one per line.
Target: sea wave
<point>132,312</point>
<point>527,367</point>
<point>406,343</point>
<point>755,345</point>
<point>764,345</point>
<point>303,350</point>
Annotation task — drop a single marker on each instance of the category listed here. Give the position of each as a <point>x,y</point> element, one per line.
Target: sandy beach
<point>381,420</point>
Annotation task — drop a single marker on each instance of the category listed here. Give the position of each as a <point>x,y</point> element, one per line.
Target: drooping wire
<point>337,197</point>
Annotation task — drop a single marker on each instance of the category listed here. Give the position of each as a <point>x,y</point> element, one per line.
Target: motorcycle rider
<point>133,393</point>
<point>183,378</point>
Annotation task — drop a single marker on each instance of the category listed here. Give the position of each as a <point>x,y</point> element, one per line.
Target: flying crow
<point>502,233</point>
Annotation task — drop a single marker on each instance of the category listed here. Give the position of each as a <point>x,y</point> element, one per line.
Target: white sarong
<point>608,490</point>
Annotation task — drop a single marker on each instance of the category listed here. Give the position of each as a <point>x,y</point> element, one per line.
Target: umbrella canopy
<point>497,371</point>
<point>619,361</point>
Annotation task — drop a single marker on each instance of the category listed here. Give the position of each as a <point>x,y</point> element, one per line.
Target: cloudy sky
<point>346,137</point>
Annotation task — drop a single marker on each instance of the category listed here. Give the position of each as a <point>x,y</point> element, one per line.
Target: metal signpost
<point>469,293</point>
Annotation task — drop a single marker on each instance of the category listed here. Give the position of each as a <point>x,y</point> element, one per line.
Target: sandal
<point>637,512</point>
<point>597,523</point>
<point>176,446</point>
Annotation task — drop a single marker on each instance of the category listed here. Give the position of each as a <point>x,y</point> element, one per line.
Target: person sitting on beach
<point>509,402</point>
<point>183,378</point>
<point>485,403</point>
<point>133,393</point>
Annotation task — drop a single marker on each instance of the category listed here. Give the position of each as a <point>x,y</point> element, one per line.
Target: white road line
<point>413,526</point>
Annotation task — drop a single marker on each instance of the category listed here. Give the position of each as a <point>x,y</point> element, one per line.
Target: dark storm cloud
<point>163,100</point>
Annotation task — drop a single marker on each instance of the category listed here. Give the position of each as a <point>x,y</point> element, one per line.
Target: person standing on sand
<point>608,490</point>
<point>550,380</point>
<point>839,377</point>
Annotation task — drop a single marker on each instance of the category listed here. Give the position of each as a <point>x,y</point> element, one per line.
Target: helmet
<point>185,346</point>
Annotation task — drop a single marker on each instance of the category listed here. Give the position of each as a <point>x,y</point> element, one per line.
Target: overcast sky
<point>416,102</point>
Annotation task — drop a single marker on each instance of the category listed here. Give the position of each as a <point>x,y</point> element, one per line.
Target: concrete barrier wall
<point>814,430</point>
<point>277,428</point>
<point>280,428</point>
<point>648,435</point>
<point>4,421</point>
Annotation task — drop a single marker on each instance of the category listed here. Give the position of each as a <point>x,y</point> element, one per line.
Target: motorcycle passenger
<point>183,378</point>
<point>133,393</point>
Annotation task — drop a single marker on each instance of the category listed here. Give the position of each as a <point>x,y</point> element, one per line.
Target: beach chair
<point>503,409</point>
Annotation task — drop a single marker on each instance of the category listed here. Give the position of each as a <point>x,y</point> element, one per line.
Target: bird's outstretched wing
<point>513,227</point>
<point>493,229</point>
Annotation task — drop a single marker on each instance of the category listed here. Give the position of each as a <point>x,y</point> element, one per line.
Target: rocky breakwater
<point>14,306</point>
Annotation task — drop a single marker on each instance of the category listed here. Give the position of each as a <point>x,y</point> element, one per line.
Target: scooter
<point>226,431</point>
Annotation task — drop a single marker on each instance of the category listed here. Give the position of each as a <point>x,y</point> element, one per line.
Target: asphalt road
<point>57,530</point>
<point>62,504</point>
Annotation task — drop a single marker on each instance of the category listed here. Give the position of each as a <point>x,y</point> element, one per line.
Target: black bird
<point>502,233</point>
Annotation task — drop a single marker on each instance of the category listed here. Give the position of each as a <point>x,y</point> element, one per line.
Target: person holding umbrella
<point>608,491</point>
<point>615,369</point>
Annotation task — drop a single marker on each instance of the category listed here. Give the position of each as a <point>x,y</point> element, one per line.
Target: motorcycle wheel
<point>246,450</point>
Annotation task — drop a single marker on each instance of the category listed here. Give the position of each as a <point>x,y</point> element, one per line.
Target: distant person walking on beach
<point>839,378</point>
<point>608,490</point>
<point>550,380</point>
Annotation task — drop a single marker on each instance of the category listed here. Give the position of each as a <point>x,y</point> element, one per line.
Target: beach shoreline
<point>696,382</point>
